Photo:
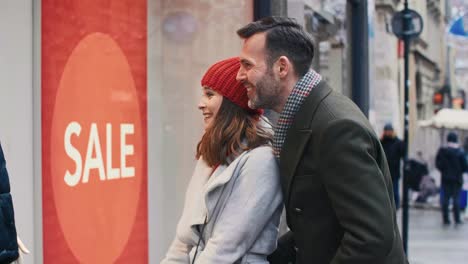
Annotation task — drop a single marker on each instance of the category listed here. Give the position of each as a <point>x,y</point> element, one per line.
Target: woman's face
<point>209,104</point>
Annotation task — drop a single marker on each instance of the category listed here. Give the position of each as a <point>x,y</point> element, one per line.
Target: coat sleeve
<point>464,165</point>
<point>358,191</point>
<point>440,160</point>
<point>254,201</point>
<point>178,253</point>
<point>401,149</point>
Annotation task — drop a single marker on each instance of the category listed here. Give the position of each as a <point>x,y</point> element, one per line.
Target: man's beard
<point>267,92</point>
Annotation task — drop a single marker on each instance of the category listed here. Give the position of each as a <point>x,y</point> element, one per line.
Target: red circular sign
<point>96,150</point>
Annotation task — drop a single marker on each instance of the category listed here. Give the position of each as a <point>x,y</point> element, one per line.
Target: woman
<point>233,202</point>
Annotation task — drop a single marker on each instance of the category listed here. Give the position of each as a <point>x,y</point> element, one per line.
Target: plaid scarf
<point>296,98</point>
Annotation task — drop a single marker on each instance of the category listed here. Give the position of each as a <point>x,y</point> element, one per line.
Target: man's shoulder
<point>336,107</point>
<point>339,105</point>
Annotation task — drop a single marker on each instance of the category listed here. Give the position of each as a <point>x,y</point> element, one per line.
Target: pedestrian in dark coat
<point>8,241</point>
<point>335,179</point>
<point>395,152</point>
<point>451,162</point>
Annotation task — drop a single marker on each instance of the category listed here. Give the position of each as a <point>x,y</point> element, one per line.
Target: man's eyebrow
<point>245,61</point>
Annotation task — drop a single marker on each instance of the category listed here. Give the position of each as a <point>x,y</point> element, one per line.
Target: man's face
<point>263,87</point>
<point>388,133</point>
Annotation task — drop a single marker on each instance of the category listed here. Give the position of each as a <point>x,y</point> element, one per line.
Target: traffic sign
<point>414,20</point>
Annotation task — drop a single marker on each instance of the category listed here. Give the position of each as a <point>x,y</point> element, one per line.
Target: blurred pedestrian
<point>233,202</point>
<point>335,179</point>
<point>394,151</point>
<point>8,237</point>
<point>451,162</point>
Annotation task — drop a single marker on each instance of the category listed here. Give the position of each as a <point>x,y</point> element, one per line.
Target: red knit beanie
<point>221,77</point>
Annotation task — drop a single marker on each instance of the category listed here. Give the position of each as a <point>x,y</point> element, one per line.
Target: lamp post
<point>406,24</point>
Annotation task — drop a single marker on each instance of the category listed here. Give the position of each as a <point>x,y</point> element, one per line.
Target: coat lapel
<point>298,135</point>
<point>203,205</point>
<point>194,201</point>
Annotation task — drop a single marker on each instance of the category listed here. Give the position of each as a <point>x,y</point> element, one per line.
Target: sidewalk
<point>432,243</point>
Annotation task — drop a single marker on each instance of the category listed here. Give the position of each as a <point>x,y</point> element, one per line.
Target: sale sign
<point>94,139</point>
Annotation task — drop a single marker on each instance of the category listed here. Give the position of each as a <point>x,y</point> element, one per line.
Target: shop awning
<point>448,118</point>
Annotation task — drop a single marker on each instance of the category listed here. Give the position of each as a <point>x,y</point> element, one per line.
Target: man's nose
<point>240,75</point>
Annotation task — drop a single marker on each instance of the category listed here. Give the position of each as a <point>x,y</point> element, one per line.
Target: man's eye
<point>246,64</point>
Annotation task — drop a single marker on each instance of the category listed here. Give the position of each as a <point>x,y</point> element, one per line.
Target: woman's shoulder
<point>264,150</point>
<point>261,157</point>
<point>260,164</point>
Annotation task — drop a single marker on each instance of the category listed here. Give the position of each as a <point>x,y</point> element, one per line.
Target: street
<point>432,243</point>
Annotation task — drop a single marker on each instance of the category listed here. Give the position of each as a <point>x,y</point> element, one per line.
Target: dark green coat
<point>337,187</point>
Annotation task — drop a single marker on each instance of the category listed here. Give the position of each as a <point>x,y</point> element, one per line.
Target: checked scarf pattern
<point>299,93</point>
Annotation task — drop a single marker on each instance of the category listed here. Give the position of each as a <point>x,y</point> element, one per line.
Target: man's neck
<point>286,91</point>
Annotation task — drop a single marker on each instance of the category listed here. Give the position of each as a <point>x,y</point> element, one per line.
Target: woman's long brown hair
<point>231,126</point>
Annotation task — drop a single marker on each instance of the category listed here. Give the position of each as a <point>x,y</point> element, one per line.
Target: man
<point>394,151</point>
<point>451,163</point>
<point>335,180</point>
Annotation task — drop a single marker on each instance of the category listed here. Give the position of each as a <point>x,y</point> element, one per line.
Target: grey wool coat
<point>242,203</point>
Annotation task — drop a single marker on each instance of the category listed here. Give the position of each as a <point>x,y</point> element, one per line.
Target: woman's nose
<point>201,105</point>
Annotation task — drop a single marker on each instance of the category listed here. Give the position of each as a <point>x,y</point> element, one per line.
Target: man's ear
<point>284,66</point>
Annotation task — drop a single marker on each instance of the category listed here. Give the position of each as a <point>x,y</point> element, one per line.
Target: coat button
<point>298,210</point>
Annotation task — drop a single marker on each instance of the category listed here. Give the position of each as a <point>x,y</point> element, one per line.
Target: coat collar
<point>207,183</point>
<point>298,135</point>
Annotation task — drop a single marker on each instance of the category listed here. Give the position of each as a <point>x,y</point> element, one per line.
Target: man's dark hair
<point>388,127</point>
<point>284,37</point>
<point>452,137</point>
